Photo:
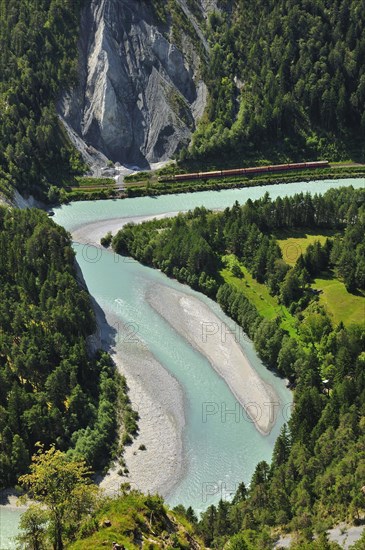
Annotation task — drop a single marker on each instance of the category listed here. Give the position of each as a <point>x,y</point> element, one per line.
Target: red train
<point>246,171</point>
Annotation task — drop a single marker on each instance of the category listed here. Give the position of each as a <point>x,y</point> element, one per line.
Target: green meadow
<point>258,294</point>
<point>294,242</point>
<point>341,305</point>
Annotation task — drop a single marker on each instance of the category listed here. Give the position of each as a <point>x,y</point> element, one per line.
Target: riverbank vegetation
<point>64,496</point>
<point>88,188</point>
<point>53,389</point>
<point>153,185</point>
<point>316,475</point>
<point>69,511</point>
<point>137,521</point>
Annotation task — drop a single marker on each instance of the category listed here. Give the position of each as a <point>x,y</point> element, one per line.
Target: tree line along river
<point>219,449</point>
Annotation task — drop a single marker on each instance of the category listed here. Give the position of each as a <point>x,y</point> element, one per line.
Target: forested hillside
<point>286,78</point>
<point>318,467</point>
<point>51,389</point>
<point>38,58</point>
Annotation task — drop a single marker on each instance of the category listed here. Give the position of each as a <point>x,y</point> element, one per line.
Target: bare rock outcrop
<point>140,90</point>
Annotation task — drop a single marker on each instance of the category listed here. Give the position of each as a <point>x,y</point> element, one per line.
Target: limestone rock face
<point>140,92</point>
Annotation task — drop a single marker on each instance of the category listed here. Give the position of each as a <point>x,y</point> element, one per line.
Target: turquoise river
<point>217,454</point>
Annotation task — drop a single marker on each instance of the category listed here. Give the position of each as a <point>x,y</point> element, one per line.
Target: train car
<point>214,174</point>
<point>247,171</point>
<point>252,170</point>
<point>183,177</point>
<point>317,164</point>
<point>233,172</point>
<point>261,169</point>
<point>280,167</point>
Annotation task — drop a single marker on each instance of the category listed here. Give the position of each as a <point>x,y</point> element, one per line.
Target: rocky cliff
<point>140,91</point>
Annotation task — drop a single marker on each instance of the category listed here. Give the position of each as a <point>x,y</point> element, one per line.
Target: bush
<point>106,241</point>
<point>236,271</point>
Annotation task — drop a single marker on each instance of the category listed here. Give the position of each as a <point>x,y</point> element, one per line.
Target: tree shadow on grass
<point>304,232</point>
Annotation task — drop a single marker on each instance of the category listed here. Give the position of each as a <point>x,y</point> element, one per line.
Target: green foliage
<point>340,304</point>
<point>178,248</point>
<point>237,542</point>
<point>85,181</point>
<point>51,390</point>
<point>38,59</point>
<point>136,521</point>
<point>348,254</point>
<point>129,416</point>
<point>33,525</point>
<point>140,176</point>
<point>275,91</point>
<point>322,543</point>
<point>106,241</point>
<point>63,487</point>
<point>285,79</point>
<point>89,194</point>
<point>173,21</point>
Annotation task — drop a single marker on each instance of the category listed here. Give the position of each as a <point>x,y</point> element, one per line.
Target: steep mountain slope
<point>286,78</point>
<point>38,45</point>
<point>135,69</point>
<point>140,89</point>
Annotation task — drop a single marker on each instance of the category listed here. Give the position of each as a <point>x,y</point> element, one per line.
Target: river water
<point>219,451</point>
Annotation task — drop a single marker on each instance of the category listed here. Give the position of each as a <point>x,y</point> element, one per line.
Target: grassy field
<point>340,304</point>
<point>89,188</point>
<point>258,294</point>
<point>89,182</point>
<point>294,242</point>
